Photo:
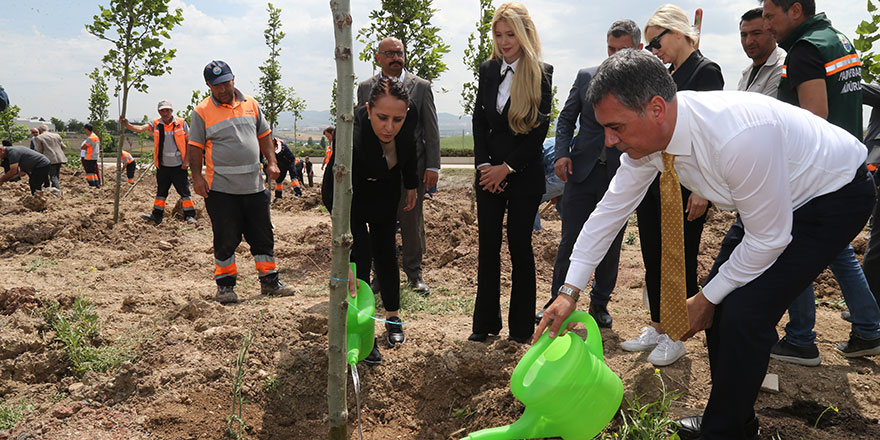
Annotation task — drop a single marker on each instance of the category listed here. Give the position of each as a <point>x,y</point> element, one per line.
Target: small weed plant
<point>235,424</point>
<point>78,330</point>
<point>12,413</point>
<point>649,421</point>
<point>39,263</point>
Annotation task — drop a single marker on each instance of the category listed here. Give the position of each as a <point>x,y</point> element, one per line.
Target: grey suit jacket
<point>427,132</point>
<point>871,97</point>
<point>590,140</point>
<point>50,145</point>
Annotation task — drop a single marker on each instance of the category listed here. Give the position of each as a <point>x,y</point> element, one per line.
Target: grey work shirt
<point>27,159</point>
<point>229,135</point>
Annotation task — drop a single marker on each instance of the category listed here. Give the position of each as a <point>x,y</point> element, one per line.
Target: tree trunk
<point>342,240</point>
<point>116,194</point>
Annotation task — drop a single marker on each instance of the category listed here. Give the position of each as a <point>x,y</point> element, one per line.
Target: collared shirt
<point>230,134</point>
<point>399,78</point>
<point>745,152</point>
<point>171,156</point>
<point>767,79</point>
<point>504,86</point>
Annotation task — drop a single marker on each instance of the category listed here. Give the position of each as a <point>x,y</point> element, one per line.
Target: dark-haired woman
<point>511,119</point>
<point>383,155</point>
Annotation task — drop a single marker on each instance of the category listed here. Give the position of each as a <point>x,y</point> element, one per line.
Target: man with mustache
<point>768,59</point>
<point>391,58</point>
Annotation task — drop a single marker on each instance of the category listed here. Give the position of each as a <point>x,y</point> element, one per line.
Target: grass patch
<point>649,421</point>
<point>39,263</point>
<point>441,302</point>
<point>12,413</point>
<point>78,330</point>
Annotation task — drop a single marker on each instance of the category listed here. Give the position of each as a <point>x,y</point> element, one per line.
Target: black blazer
<point>698,73</point>
<point>590,140</point>
<point>495,142</point>
<point>368,160</point>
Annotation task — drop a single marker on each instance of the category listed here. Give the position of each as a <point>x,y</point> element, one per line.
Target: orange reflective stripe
<point>294,183</point>
<point>872,167</point>
<point>279,187</point>
<point>228,270</point>
<point>265,267</point>
<point>842,63</point>
<point>158,202</point>
<point>187,204</point>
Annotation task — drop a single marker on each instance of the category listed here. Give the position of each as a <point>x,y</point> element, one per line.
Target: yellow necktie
<point>673,286</point>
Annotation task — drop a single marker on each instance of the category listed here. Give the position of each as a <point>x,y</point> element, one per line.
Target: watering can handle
<point>593,341</point>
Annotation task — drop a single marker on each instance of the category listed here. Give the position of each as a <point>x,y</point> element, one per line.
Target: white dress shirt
<point>745,152</point>
<point>504,86</point>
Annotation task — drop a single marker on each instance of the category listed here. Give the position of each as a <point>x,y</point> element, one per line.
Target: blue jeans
<point>555,188</point>
<point>859,299</point>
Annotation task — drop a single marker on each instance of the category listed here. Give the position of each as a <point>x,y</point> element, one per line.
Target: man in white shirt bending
<point>798,182</point>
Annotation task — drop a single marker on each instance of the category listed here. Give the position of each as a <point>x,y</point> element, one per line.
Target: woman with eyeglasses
<point>672,39</point>
<point>511,118</point>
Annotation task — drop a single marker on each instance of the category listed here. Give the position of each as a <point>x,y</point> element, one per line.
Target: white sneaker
<point>646,341</point>
<point>666,351</point>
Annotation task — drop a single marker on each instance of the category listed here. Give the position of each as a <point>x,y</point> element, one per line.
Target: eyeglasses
<point>392,53</point>
<point>655,42</point>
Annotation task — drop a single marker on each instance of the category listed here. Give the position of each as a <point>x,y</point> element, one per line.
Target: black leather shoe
<point>540,315</point>
<point>478,337</point>
<point>689,428</point>
<point>395,331</point>
<point>374,358</point>
<point>419,286</point>
<point>601,315</point>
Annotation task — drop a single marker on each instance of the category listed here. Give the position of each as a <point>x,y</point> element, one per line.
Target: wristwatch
<point>573,293</point>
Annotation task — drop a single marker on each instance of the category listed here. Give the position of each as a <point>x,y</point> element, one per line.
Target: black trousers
<point>54,172</point>
<point>373,226</point>
<point>579,200</point>
<point>871,262</point>
<point>648,214</point>
<point>165,177</point>
<point>130,170</point>
<point>38,178</point>
<point>279,182</point>
<point>234,216</point>
<point>93,174</point>
<point>744,327</point>
<point>521,210</point>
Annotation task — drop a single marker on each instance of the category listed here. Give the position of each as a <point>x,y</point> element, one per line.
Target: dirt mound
<point>18,298</point>
<point>35,202</point>
<point>838,422</point>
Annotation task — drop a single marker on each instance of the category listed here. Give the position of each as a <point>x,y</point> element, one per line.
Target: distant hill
<point>315,122</point>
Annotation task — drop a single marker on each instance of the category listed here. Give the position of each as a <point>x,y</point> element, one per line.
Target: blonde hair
<point>525,92</point>
<point>675,19</point>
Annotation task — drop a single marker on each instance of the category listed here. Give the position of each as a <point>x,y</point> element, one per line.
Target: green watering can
<point>360,329</point>
<point>566,387</point>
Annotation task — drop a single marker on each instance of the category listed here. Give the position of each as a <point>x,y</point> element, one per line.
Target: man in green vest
<point>822,74</point>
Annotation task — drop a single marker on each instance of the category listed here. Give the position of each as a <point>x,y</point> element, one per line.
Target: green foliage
<point>479,49</point>
<point>58,123</point>
<point>74,125</point>
<point>443,301</point>
<point>554,111</point>
<point>867,34</point>
<point>273,97</point>
<point>410,22</point>
<point>39,263</point>
<point>78,331</point>
<point>196,99</point>
<point>99,102</point>
<point>8,128</point>
<point>631,238</point>
<point>649,421</point>
<point>135,29</point>
<point>297,106</point>
<point>333,101</point>
<point>323,142</point>
<point>12,413</point>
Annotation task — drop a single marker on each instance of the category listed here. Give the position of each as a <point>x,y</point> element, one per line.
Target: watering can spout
<point>530,425</point>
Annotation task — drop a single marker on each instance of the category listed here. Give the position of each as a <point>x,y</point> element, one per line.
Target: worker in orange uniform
<point>286,164</point>
<point>170,136</point>
<point>329,133</point>
<point>129,164</point>
<point>229,133</point>
<point>89,151</point>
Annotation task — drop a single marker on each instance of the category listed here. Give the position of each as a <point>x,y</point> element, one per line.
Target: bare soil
<point>152,288</point>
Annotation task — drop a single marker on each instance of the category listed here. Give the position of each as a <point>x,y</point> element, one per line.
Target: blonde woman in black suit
<point>511,119</point>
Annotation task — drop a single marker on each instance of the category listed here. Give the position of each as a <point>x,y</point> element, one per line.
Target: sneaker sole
<point>379,362</point>
<point>637,350</point>
<point>666,363</point>
<point>807,362</point>
<point>860,353</point>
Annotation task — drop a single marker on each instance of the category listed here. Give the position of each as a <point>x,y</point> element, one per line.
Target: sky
<point>47,52</point>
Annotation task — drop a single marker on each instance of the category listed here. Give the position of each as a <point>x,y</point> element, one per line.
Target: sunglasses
<point>655,42</point>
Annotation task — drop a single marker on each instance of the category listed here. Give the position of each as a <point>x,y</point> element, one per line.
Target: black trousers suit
<point>744,326</point>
